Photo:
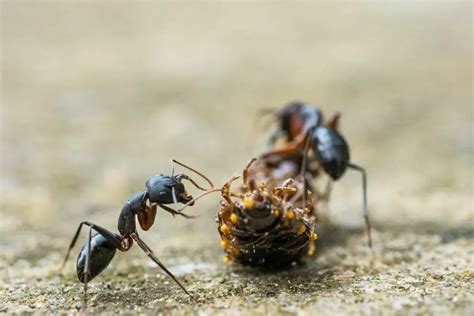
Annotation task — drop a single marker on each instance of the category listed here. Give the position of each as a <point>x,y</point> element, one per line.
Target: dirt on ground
<point>97,97</point>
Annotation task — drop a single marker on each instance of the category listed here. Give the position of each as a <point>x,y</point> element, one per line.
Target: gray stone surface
<point>98,97</point>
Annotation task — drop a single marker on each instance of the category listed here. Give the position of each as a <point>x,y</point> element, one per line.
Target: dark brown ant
<point>302,126</point>
<point>99,249</point>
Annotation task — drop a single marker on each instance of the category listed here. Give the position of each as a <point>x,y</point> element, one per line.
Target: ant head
<point>297,116</point>
<point>182,194</point>
<point>160,189</point>
<point>332,151</point>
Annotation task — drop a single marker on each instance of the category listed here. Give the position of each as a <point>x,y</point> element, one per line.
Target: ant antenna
<point>334,120</point>
<point>365,207</point>
<point>172,167</point>
<point>175,200</point>
<point>197,198</point>
<point>257,128</point>
<point>183,176</point>
<point>173,161</point>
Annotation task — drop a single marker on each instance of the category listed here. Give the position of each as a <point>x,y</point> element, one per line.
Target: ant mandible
<point>302,126</point>
<point>99,249</point>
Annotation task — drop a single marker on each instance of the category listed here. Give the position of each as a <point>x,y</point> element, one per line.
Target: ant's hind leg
<point>327,191</point>
<point>308,141</point>
<point>104,232</point>
<point>71,245</point>
<point>96,254</point>
<point>87,267</point>
<point>364,203</point>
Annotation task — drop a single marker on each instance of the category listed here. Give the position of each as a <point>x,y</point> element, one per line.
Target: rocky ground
<point>98,97</point>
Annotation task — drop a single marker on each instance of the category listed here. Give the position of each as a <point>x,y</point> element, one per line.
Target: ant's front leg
<point>173,212</point>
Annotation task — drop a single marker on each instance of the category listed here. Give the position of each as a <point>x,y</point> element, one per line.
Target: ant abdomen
<point>332,151</point>
<point>101,254</point>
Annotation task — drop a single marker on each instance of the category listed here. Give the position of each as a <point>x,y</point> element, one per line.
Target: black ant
<point>99,249</point>
<point>305,132</point>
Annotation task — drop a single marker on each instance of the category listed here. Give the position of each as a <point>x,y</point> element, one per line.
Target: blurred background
<point>97,97</point>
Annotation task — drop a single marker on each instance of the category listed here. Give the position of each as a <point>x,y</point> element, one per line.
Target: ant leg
<point>288,150</point>
<point>87,269</point>
<point>327,190</point>
<point>225,191</point>
<point>365,206</point>
<point>285,190</point>
<point>71,245</point>
<point>173,161</point>
<point>107,234</point>
<point>152,256</point>
<point>87,266</point>
<point>173,212</point>
<point>147,217</point>
<point>245,173</point>
<point>307,142</point>
<point>334,120</point>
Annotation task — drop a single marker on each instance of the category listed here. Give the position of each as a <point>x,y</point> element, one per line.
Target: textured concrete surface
<point>97,97</point>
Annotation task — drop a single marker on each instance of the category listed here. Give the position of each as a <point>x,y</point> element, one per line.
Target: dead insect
<point>264,223</point>
<point>306,134</point>
<point>99,249</point>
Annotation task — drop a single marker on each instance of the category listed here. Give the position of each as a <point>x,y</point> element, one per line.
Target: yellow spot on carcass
<point>301,229</point>
<point>276,213</point>
<point>225,229</point>
<point>311,249</point>
<point>248,202</point>
<point>290,214</point>
<point>226,260</point>
<point>314,236</point>
<point>224,244</point>
<point>234,219</point>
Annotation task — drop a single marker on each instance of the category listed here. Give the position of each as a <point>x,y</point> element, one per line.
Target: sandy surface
<point>97,98</point>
